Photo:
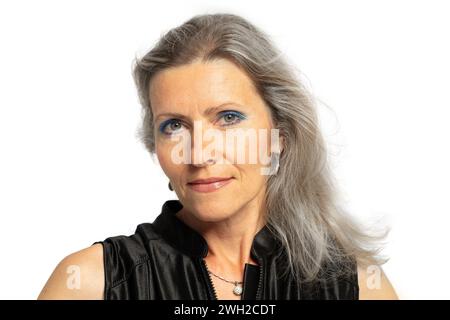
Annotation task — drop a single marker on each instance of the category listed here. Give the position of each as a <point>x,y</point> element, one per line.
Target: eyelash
<point>238,118</point>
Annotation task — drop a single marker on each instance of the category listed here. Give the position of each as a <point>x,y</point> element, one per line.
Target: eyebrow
<point>208,111</point>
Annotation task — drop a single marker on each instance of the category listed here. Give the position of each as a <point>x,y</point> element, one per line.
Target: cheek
<point>252,147</point>
<point>250,176</point>
<point>165,160</point>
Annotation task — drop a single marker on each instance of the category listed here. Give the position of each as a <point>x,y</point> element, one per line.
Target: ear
<point>282,143</point>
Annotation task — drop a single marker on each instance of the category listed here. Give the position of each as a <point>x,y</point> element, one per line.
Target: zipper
<point>212,289</point>
<point>210,283</point>
<point>261,273</point>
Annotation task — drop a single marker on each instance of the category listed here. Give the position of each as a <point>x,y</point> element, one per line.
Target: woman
<point>240,229</point>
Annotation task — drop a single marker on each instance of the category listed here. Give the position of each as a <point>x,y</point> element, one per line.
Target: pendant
<point>237,289</point>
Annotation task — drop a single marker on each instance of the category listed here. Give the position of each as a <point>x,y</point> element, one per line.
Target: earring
<point>274,165</point>
<point>275,162</point>
<point>170,187</point>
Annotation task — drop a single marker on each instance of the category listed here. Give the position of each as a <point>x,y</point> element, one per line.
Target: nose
<point>200,164</point>
<point>201,152</point>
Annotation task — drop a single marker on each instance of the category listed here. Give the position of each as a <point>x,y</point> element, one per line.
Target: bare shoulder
<point>80,275</point>
<point>374,284</point>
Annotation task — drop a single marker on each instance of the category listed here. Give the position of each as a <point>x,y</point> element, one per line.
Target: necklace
<point>237,290</point>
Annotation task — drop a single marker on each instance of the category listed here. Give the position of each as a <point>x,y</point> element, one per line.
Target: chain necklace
<point>237,290</point>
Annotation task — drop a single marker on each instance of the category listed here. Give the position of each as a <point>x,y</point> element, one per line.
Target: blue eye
<point>172,124</point>
<point>232,117</point>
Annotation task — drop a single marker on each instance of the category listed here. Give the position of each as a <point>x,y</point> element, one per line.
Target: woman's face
<point>184,98</point>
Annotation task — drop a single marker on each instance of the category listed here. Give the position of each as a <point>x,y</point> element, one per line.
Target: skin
<point>90,263</point>
<point>367,290</point>
<point>227,218</point>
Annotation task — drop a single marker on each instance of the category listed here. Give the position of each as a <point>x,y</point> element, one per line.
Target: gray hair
<point>302,202</point>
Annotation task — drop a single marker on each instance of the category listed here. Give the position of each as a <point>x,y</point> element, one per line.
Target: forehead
<point>201,84</point>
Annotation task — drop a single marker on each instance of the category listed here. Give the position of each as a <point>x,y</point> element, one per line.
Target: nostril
<point>205,163</point>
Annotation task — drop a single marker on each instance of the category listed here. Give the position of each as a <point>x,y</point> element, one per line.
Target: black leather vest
<point>165,260</point>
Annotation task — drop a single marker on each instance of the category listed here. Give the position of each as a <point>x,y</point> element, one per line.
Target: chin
<point>212,212</point>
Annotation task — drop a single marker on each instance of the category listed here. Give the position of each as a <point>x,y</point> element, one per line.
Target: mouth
<point>209,185</point>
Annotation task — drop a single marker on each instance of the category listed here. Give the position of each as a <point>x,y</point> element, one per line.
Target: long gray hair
<point>302,201</point>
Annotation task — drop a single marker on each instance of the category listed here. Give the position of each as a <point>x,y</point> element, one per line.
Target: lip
<point>209,184</point>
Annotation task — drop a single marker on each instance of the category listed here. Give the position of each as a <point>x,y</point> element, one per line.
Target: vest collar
<point>192,243</point>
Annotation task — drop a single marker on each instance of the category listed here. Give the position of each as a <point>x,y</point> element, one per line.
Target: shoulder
<point>374,284</point>
<point>129,249</point>
<point>91,272</point>
<point>79,275</point>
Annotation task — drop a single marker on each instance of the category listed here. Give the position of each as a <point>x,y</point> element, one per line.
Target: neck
<point>229,241</point>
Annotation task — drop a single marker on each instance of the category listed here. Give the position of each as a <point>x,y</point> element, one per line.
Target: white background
<point>73,172</point>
